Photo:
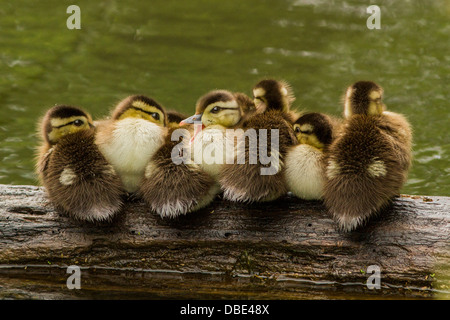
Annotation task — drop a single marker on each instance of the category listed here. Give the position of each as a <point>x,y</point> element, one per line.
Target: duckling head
<point>363,97</point>
<point>140,107</point>
<point>218,107</point>
<point>63,120</point>
<point>273,94</point>
<point>314,129</point>
<point>174,118</point>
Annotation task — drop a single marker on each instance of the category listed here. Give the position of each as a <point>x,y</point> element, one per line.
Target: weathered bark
<point>285,249</point>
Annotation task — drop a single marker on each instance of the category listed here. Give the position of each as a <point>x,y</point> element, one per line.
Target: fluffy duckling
<point>129,139</point>
<point>257,173</point>
<point>305,174</point>
<point>77,177</point>
<point>215,112</point>
<point>368,164</point>
<point>173,185</point>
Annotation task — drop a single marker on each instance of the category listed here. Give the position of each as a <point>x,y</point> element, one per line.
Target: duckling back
<point>80,181</point>
<point>366,167</point>
<point>173,187</point>
<point>254,181</point>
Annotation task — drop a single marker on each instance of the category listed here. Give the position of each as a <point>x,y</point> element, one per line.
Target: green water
<point>177,51</point>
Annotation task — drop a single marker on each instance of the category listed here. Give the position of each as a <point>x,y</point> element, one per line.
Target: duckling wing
<point>80,181</point>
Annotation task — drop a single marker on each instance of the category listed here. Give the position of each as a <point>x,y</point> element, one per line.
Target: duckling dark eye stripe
<point>63,125</point>
<point>226,108</point>
<point>139,109</point>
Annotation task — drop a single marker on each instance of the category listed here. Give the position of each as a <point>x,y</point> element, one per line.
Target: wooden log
<point>286,249</point>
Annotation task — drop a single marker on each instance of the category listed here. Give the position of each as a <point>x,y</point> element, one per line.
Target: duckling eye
<point>155,115</point>
<point>297,129</point>
<point>78,123</point>
<point>215,109</point>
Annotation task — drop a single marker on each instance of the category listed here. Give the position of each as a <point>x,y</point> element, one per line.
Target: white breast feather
<point>208,150</point>
<point>304,173</point>
<point>130,147</point>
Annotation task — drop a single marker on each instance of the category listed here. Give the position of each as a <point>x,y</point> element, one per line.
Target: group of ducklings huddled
<point>355,165</point>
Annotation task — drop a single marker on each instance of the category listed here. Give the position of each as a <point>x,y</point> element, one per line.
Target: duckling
<point>249,179</point>
<point>77,177</point>
<point>368,164</point>
<point>305,174</point>
<point>216,111</point>
<point>172,186</point>
<point>135,131</point>
<point>176,183</point>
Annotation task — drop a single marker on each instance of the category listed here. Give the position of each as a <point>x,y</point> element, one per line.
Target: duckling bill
<point>76,176</point>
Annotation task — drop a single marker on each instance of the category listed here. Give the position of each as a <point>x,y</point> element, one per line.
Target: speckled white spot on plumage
<point>377,168</point>
<point>67,177</point>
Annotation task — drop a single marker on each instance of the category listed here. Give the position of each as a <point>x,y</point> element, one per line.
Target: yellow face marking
<point>347,105</point>
<point>259,92</point>
<point>306,127</point>
<point>141,110</point>
<point>65,126</point>
<point>59,122</point>
<point>173,124</point>
<point>375,106</point>
<point>373,109</point>
<point>312,140</point>
<point>305,135</point>
<point>258,96</point>
<point>374,95</point>
<point>226,114</point>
